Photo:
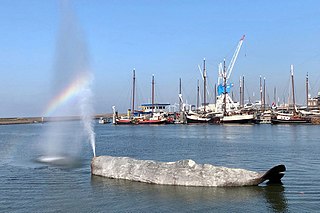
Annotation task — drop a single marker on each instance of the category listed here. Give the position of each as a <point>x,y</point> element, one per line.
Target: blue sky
<point>165,38</point>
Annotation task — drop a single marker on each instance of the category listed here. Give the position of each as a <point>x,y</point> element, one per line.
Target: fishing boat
<point>155,119</point>
<point>129,118</point>
<point>153,113</point>
<point>149,114</point>
<point>193,117</point>
<point>263,118</point>
<point>151,121</point>
<point>196,118</point>
<point>263,115</point>
<point>104,120</point>
<point>201,115</point>
<point>122,120</point>
<point>238,118</point>
<point>229,109</point>
<point>231,112</point>
<point>291,118</point>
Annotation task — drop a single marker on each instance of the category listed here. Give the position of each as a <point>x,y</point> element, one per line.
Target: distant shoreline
<point>30,120</point>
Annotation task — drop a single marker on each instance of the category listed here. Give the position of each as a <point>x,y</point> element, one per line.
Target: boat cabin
<point>149,108</point>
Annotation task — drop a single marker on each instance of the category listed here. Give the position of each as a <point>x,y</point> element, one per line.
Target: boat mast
<point>293,96</point>
<point>215,93</point>
<point>261,94</point>
<point>243,90</point>
<point>275,96</point>
<point>204,85</point>
<point>133,89</point>
<point>152,95</point>
<point>224,88</point>
<point>307,89</point>
<point>232,97</point>
<point>180,94</point>
<point>198,92</point>
<point>264,93</point>
<point>240,92</point>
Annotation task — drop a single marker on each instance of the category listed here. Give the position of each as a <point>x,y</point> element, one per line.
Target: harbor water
<point>27,185</point>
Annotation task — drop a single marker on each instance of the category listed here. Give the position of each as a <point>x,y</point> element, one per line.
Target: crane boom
<point>220,68</point>
<point>234,57</point>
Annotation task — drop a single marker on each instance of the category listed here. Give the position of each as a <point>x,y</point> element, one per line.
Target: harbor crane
<point>224,101</point>
<point>231,65</point>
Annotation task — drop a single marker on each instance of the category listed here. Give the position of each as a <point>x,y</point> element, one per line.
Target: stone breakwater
<point>8,121</point>
<point>183,172</point>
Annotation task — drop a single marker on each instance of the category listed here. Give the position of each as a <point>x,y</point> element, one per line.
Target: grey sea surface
<point>27,185</point>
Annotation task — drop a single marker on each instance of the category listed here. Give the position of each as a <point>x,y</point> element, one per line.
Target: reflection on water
<point>63,161</point>
<point>272,194</point>
<point>275,197</point>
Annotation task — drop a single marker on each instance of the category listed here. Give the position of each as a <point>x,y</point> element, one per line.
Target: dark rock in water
<point>183,172</point>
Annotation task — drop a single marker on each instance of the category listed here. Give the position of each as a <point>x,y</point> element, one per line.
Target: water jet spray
<point>72,94</point>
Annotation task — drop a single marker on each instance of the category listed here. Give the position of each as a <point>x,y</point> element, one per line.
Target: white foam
<point>50,159</point>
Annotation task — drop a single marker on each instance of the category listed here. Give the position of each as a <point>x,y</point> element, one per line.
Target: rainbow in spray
<point>71,91</point>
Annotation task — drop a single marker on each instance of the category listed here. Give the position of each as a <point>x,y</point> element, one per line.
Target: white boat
<point>201,117</point>
<point>196,118</point>
<point>237,118</point>
<point>263,118</point>
<point>224,103</point>
<point>103,120</point>
<point>149,114</point>
<point>293,118</point>
<point>311,112</point>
